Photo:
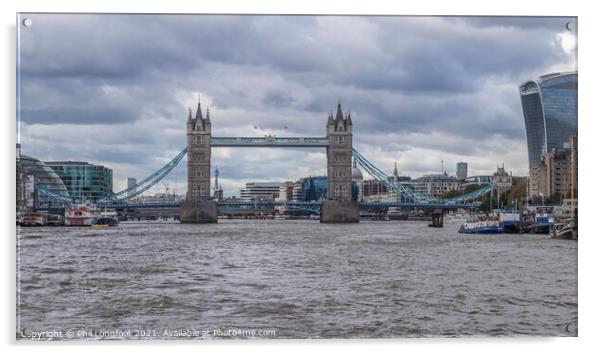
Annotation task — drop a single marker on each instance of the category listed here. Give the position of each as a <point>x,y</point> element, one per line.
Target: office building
<point>461,170</point>
<point>285,192</point>
<point>35,173</point>
<point>436,184</point>
<point>260,191</point>
<point>129,183</point>
<point>298,190</point>
<point>314,188</point>
<point>374,187</point>
<point>550,112</point>
<point>556,173</point>
<point>84,181</point>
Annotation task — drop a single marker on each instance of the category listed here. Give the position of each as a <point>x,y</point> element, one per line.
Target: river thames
<point>291,279</point>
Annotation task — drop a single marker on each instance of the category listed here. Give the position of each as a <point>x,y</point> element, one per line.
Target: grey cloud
<point>134,75</point>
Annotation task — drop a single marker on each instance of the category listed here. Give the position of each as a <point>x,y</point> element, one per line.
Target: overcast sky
<point>115,89</point>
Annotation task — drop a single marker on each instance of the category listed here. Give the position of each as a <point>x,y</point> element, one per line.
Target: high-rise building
<point>84,181</point>
<point>550,112</point>
<point>129,183</point>
<point>314,188</point>
<point>461,170</point>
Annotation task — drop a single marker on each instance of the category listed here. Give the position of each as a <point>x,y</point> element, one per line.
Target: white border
<point>589,245</point>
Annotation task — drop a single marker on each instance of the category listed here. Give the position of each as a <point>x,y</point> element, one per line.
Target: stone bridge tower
<point>198,138</point>
<point>198,208</point>
<point>339,156</point>
<point>340,207</point>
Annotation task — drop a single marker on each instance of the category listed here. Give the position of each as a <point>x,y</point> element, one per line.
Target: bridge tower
<point>340,207</point>
<point>198,207</point>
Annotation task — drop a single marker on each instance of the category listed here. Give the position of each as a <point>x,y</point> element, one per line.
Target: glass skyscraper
<point>84,181</point>
<point>550,111</point>
<point>314,188</point>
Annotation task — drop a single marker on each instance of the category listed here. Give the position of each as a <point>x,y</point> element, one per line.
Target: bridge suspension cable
<point>411,194</point>
<point>146,183</point>
<point>407,193</point>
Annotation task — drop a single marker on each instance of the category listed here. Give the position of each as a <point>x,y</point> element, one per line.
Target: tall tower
<point>339,131</point>
<point>198,134</point>
<point>198,208</point>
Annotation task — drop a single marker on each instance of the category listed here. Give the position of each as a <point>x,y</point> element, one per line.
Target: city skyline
<point>446,91</point>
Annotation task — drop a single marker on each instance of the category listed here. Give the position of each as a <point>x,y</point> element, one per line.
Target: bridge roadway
<point>298,205</point>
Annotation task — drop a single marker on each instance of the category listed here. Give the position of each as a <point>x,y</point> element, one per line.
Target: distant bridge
<point>412,199</point>
<point>293,205</point>
<point>340,151</point>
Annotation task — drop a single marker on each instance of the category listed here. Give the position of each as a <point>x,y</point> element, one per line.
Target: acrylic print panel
<point>267,177</point>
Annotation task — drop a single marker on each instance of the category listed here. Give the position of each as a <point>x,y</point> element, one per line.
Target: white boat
<point>81,215</point>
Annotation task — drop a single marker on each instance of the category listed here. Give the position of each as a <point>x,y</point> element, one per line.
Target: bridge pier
<point>335,212</point>
<point>198,212</point>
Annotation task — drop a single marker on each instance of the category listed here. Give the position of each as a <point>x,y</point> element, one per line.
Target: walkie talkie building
<point>550,111</point>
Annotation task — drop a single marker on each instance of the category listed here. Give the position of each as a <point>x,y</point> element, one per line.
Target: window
<point>340,140</point>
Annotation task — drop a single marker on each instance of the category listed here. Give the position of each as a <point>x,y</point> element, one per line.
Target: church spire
<point>395,173</point>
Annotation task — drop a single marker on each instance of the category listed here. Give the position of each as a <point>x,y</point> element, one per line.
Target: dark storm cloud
<point>401,75</point>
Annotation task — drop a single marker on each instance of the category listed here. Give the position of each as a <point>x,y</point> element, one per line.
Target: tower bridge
<point>339,206</point>
<point>200,207</point>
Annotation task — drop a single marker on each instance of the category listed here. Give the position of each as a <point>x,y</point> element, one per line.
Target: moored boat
<point>481,227</point>
<point>564,231</point>
<point>109,221</point>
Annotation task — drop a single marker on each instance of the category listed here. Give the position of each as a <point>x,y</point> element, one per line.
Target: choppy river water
<point>291,279</point>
